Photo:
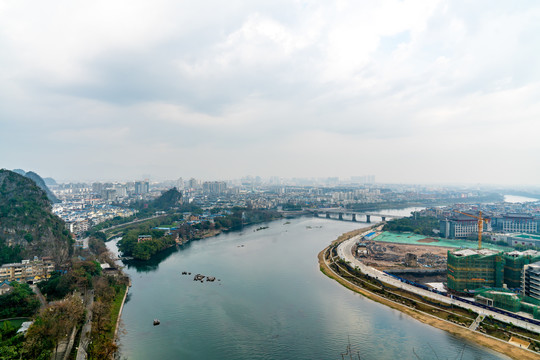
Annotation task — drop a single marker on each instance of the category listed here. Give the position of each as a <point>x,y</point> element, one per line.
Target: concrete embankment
<point>481,339</point>
<point>120,311</point>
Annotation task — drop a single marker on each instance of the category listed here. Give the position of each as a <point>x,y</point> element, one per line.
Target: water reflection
<point>147,266</point>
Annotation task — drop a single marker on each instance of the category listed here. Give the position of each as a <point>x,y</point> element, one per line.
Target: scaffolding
<point>513,267</point>
<point>508,300</point>
<point>501,298</point>
<point>469,270</point>
<point>531,306</point>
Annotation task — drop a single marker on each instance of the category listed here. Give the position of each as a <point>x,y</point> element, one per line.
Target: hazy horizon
<point>428,92</point>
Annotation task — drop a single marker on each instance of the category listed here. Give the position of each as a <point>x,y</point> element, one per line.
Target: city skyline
<point>414,92</point>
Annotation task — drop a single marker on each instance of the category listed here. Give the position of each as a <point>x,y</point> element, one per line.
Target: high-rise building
<point>472,269</point>
<point>180,184</point>
<point>514,263</point>
<point>214,187</point>
<point>97,188</point>
<point>531,280</point>
<point>194,183</point>
<point>141,187</point>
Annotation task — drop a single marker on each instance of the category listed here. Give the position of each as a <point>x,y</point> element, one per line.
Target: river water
<point>271,302</point>
<point>518,199</point>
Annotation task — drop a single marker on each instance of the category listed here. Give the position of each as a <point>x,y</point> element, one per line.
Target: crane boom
<point>481,221</point>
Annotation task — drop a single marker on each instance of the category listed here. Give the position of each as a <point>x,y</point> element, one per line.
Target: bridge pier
<point>353,217</point>
<point>368,218</point>
<point>328,215</point>
<point>315,214</point>
<point>340,216</point>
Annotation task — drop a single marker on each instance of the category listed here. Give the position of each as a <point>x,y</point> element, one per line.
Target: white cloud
<point>401,84</point>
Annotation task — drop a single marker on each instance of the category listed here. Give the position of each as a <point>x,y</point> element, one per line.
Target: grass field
<point>115,309</point>
<point>414,239</point>
<point>16,322</point>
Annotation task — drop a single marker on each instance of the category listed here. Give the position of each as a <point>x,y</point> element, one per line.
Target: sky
<point>410,91</point>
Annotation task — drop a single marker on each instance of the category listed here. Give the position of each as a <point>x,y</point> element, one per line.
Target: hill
<point>49,181</point>
<point>27,225</point>
<point>169,199</point>
<point>39,182</point>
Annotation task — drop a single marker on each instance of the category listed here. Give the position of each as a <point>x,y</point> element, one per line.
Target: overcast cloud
<point>412,91</point>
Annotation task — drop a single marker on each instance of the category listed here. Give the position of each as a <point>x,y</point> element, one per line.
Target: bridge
<point>352,214</point>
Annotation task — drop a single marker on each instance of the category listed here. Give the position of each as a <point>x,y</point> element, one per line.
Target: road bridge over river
<point>353,215</point>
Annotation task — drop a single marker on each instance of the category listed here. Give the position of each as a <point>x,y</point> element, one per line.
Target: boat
<point>156,322</point>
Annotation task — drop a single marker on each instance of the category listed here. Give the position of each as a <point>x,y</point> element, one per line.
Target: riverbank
<point>487,341</point>
<point>117,311</point>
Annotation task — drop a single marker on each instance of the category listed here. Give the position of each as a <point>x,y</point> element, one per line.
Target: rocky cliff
<point>27,225</point>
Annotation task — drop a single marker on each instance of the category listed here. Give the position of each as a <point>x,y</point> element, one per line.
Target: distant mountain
<point>27,225</point>
<point>20,171</point>
<point>49,181</point>
<point>39,182</point>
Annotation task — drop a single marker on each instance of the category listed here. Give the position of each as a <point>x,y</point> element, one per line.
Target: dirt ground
<point>387,256</point>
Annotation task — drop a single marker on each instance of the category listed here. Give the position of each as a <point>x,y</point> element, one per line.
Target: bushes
<point>422,225</point>
<point>59,285</point>
<point>21,301</point>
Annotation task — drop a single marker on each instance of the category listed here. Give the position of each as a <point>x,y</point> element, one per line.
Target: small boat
<point>156,322</point>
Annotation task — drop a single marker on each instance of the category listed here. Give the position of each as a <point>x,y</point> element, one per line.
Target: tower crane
<point>481,221</point>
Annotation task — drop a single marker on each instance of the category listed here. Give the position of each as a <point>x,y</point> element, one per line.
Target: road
<point>132,222</point>
<point>87,327</point>
<point>344,251</point>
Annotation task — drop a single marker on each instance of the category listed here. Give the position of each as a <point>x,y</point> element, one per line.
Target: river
<point>518,199</point>
<point>271,302</point>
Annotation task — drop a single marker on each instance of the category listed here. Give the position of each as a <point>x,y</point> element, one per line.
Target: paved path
<point>476,322</point>
<point>40,296</point>
<point>344,251</point>
<point>87,327</point>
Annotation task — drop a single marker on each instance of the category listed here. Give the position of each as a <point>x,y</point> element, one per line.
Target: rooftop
<point>471,252</point>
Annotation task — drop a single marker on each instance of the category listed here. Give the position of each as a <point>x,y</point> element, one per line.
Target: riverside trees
<point>53,324</point>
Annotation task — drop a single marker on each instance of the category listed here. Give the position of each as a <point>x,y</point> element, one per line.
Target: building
<point>193,183</point>
<point>142,187</point>
<point>109,194</point>
<point>508,300</point>
<point>5,287</point>
<point>523,239</point>
<point>28,270</point>
<point>468,270</point>
<point>514,263</point>
<point>458,227</point>
<point>97,188</point>
<point>531,280</point>
<point>78,227</point>
<point>142,238</point>
<point>516,223</point>
<point>214,187</point>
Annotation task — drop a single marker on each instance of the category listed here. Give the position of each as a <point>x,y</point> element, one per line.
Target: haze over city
<point>412,91</point>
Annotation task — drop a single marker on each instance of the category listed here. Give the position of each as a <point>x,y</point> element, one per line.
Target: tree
<point>21,301</point>
<point>53,324</point>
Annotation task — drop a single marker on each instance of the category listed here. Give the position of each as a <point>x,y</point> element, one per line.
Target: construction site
<point>417,262</point>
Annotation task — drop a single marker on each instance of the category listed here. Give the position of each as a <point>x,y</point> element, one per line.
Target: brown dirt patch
<point>428,240</point>
<point>519,342</point>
